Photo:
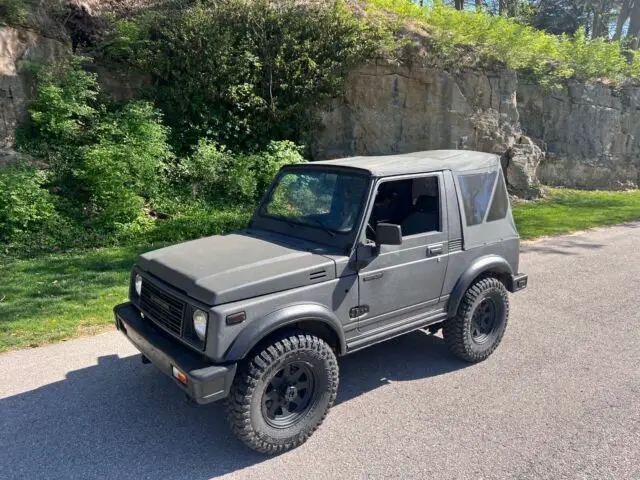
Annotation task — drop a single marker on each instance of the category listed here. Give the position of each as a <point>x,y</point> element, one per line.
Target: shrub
<point>63,112</point>
<point>547,58</point>
<point>13,11</point>
<point>217,175</point>
<point>119,169</point>
<point>242,73</point>
<point>103,161</point>
<point>24,204</point>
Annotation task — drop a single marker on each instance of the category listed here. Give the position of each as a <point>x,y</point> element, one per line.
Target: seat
<point>424,218</point>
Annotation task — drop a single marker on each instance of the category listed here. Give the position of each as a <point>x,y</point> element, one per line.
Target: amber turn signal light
<point>235,318</point>
<point>178,375</point>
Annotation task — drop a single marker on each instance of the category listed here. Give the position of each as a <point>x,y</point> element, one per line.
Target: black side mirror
<point>388,234</point>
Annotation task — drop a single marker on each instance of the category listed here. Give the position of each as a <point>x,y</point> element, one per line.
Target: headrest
<point>426,203</point>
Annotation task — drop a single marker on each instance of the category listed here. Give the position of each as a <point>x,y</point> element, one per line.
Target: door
<point>399,282</point>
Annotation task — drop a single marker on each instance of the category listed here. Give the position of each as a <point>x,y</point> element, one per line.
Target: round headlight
<point>138,284</point>
<point>200,323</point>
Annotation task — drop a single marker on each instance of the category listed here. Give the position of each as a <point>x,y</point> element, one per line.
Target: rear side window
<point>500,203</point>
<point>476,189</point>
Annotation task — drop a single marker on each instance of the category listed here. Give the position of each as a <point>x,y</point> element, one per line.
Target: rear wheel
<point>479,325</point>
<point>282,394</point>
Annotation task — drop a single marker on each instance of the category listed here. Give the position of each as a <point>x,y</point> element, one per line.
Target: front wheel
<point>282,394</point>
<point>479,325</point>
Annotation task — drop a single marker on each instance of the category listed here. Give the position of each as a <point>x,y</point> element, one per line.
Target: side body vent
<point>455,245</point>
<point>318,274</point>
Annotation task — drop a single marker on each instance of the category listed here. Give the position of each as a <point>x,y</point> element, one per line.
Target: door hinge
<point>358,311</point>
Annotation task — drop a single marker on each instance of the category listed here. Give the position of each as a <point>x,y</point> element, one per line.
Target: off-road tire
<point>245,411</point>
<point>457,331</point>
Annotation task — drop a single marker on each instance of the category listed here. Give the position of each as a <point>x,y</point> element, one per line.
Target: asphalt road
<point>560,398</point>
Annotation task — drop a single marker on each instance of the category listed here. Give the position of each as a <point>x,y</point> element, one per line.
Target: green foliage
<point>111,177</point>
<point>242,73</point>
<point>14,12</point>
<point>63,112</point>
<point>595,58</point>
<point>547,58</point>
<point>217,175</point>
<point>103,162</point>
<point>24,204</point>
<point>119,169</point>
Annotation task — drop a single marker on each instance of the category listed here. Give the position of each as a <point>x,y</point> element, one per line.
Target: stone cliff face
<point>18,45</point>
<point>588,132</point>
<point>591,133</point>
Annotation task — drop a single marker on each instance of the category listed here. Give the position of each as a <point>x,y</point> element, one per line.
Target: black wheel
<point>281,395</point>
<point>479,325</point>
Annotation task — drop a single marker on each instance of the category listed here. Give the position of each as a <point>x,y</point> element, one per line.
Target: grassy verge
<point>565,211</point>
<point>58,296</point>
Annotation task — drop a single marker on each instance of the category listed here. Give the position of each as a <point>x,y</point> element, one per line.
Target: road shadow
<point>121,419</point>
<point>561,246</point>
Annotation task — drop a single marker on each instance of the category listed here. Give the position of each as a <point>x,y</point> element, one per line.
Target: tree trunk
<point>622,18</point>
<point>478,4</point>
<point>459,4</point>
<point>601,10</point>
<point>634,24</point>
<point>597,16</point>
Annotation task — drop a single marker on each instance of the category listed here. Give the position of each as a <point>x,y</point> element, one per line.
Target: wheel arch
<point>489,265</point>
<point>312,318</point>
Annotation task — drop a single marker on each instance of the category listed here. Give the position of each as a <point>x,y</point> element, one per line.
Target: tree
<point>561,16</point>
<point>634,23</point>
<point>623,16</point>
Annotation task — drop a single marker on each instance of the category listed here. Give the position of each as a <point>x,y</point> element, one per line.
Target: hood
<point>228,268</point>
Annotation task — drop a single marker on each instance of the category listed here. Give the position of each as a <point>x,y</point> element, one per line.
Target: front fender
<point>259,329</point>
<point>488,263</point>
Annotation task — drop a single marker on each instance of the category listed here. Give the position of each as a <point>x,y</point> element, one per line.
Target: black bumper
<point>206,382</point>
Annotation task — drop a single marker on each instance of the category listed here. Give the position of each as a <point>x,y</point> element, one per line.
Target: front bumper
<point>206,382</point>
<point>518,282</point>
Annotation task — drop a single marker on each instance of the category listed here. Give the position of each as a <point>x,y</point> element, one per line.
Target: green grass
<point>53,297</point>
<point>58,296</point>
<point>565,211</point>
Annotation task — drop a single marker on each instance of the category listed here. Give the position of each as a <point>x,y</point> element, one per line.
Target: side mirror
<point>388,234</point>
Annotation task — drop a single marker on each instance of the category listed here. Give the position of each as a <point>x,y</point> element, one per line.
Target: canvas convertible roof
<point>418,162</point>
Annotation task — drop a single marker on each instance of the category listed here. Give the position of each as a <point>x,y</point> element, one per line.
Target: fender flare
<point>492,263</point>
<point>259,329</point>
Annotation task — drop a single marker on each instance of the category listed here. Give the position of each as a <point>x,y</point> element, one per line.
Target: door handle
<point>434,250</point>
<point>375,276</point>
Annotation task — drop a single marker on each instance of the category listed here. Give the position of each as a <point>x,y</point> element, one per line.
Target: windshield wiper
<point>321,225</point>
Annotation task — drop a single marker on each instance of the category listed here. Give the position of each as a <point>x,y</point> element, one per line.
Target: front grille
<point>162,307</point>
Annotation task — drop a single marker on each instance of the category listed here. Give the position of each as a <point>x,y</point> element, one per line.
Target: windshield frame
<point>309,231</point>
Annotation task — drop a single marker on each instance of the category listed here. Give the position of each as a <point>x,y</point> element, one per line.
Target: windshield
<point>327,200</point>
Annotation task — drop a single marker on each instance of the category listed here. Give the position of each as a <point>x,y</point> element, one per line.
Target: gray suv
<point>339,255</point>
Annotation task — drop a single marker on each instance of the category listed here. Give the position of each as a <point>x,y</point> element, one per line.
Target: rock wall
<point>389,109</point>
<point>18,45</point>
<point>591,133</point>
<point>582,136</point>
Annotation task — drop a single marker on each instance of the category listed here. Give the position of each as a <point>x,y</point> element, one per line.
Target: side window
<point>414,204</point>
<point>500,203</point>
<point>476,189</point>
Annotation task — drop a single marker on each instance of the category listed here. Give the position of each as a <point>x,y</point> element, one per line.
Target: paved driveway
<point>559,399</point>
